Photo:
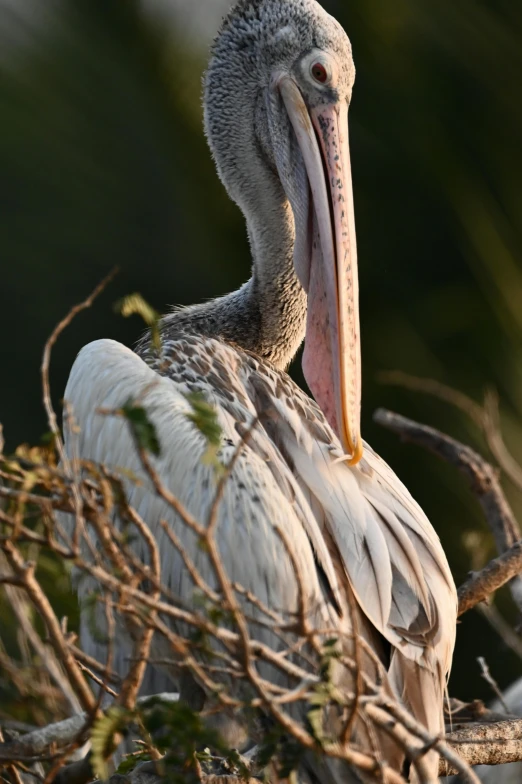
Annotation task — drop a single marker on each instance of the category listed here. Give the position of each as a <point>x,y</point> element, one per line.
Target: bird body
<point>369,560</point>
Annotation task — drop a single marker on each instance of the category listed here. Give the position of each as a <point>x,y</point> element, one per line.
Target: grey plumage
<point>267,315</point>
<point>356,529</point>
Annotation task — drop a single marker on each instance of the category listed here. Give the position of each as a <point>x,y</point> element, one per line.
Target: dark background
<point>103,162</point>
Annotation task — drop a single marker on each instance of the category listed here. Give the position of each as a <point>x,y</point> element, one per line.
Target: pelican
<point>276,99</point>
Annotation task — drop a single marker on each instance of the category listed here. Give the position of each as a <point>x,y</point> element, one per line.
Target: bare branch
<point>486,744</point>
<point>20,606</point>
<point>482,476</point>
<point>25,571</point>
<point>46,359</point>
<point>40,741</point>
<point>493,576</point>
<point>131,684</point>
<point>485,417</point>
<point>101,682</point>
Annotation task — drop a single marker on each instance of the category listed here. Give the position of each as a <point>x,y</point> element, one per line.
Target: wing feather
<point>391,553</point>
<point>255,504</point>
<point>356,524</point>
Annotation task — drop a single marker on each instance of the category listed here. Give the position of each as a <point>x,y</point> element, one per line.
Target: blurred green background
<point>103,162</point>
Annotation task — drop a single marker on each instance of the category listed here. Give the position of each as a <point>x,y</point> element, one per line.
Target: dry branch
<point>493,576</point>
<point>485,484</point>
<point>26,574</point>
<point>485,417</point>
<point>487,744</point>
<point>20,606</point>
<point>46,359</point>
<point>41,741</point>
<point>483,478</point>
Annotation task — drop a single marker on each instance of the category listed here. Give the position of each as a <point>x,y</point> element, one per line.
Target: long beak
<point>322,135</point>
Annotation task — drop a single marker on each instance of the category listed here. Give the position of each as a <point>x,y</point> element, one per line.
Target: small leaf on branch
<point>135,305</point>
<point>204,417</point>
<point>102,738</point>
<point>142,428</point>
<point>130,761</point>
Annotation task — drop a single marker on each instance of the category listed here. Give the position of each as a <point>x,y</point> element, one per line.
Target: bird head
<point>277,93</point>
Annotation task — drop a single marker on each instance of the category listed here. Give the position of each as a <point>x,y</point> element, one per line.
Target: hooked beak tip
<point>357,452</point>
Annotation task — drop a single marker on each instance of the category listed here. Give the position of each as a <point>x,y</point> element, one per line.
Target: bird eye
<point>319,72</point>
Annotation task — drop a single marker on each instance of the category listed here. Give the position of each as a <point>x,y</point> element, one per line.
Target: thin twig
<point>101,682</point>
<point>46,360</point>
<point>131,685</point>
<point>25,571</point>
<point>486,674</point>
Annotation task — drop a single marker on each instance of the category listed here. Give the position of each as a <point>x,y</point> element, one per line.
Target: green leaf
<point>315,720</point>
<point>330,653</point>
<point>48,438</point>
<point>324,692</point>
<point>135,305</point>
<point>142,428</point>
<point>129,762</point>
<point>102,736</point>
<point>204,416</point>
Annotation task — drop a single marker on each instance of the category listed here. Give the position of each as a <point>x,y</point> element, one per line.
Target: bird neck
<point>267,315</point>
